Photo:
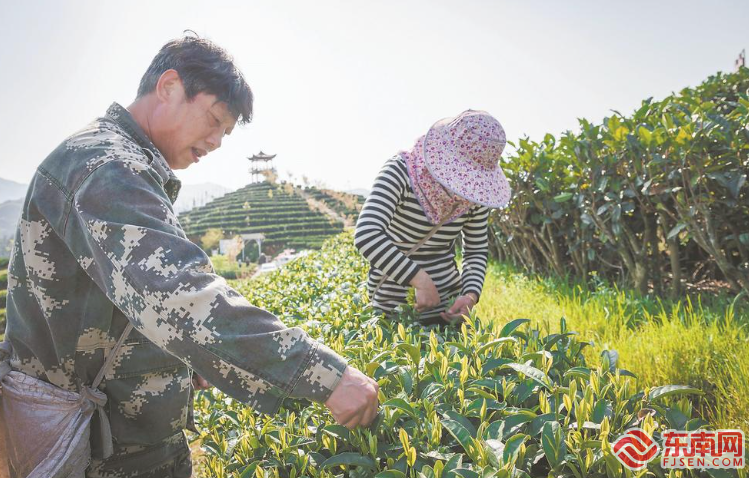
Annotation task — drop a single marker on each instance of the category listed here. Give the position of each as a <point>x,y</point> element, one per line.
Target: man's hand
<point>427,296</point>
<point>461,307</point>
<point>354,400</point>
<point>199,383</point>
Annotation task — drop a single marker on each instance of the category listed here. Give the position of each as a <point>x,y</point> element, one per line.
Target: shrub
<point>484,399</point>
<point>643,199</point>
<point>210,240</point>
<point>231,269</point>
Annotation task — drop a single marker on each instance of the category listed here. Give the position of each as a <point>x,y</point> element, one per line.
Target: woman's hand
<point>199,383</point>
<point>427,296</point>
<point>462,306</point>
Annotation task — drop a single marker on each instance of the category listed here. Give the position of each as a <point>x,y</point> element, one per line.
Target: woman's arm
<point>371,237</point>
<point>475,234</point>
<point>475,251</point>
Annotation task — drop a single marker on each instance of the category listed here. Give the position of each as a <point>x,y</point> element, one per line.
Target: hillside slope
<point>10,190</point>
<point>288,216</point>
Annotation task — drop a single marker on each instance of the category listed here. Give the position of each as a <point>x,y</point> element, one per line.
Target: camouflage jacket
<point>98,244</point>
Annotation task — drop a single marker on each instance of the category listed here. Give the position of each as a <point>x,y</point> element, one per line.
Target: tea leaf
<point>390,474</point>
<point>553,443</point>
<point>413,352</point>
<point>669,390</point>
<point>494,343</point>
<point>512,447</point>
<point>400,404</point>
<point>459,432</point>
<point>511,326</point>
<point>455,416</point>
<point>349,459</point>
<point>531,372</point>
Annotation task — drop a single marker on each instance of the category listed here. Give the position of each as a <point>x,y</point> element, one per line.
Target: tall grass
<point>701,341</point>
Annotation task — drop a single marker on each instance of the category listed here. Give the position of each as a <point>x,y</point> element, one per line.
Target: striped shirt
<point>392,221</point>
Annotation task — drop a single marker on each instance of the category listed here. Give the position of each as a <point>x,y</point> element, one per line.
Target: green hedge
<point>655,199</point>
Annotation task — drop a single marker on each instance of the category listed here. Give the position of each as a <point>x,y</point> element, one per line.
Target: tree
<point>211,239</point>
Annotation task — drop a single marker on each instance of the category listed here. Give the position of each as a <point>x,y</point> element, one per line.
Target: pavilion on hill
<point>261,164</point>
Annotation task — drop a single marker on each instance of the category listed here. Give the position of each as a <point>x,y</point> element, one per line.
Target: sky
<point>341,86</point>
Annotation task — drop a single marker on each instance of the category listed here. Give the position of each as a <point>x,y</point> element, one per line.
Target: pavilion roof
<point>261,157</point>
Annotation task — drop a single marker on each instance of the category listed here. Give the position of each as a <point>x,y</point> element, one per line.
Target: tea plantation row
<point>279,211</point>
<point>482,400</point>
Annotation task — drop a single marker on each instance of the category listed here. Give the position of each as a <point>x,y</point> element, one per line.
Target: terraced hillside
<point>346,205</point>
<point>287,215</point>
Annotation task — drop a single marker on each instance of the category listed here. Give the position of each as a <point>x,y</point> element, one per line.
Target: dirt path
<point>320,206</point>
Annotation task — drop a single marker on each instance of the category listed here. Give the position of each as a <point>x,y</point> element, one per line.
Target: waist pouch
<point>47,428</point>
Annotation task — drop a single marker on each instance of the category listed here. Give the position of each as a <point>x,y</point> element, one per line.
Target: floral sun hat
<point>440,204</point>
<point>456,165</point>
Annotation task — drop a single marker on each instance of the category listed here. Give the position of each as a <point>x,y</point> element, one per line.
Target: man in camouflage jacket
<point>98,246</point>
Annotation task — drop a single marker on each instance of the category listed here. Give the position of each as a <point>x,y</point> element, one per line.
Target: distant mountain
<point>12,195</point>
<point>359,192</point>
<point>12,190</point>
<point>197,195</point>
<point>10,213</point>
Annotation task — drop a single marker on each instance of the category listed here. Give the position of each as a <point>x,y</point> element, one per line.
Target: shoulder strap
<point>416,247</point>
<point>99,399</point>
<point>110,357</point>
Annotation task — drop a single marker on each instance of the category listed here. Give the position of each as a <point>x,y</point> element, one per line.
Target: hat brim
<point>488,188</point>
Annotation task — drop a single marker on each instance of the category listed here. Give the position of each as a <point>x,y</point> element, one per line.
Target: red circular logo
<point>635,449</point>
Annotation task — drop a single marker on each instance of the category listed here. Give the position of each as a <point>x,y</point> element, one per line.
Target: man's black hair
<point>203,67</point>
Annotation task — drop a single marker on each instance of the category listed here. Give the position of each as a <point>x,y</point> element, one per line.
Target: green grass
<point>701,341</point>
<point>231,269</point>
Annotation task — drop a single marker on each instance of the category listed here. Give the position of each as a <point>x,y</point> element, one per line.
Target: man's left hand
<point>462,306</point>
<point>199,383</point>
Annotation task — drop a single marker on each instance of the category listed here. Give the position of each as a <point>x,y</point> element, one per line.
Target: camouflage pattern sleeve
<point>124,232</point>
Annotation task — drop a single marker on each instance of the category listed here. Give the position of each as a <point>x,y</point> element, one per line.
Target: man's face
<point>189,129</point>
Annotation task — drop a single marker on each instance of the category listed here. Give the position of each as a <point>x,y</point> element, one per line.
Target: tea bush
<point>481,400</point>
<point>653,200</point>
<point>278,211</point>
<point>701,341</point>
<point>229,269</point>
